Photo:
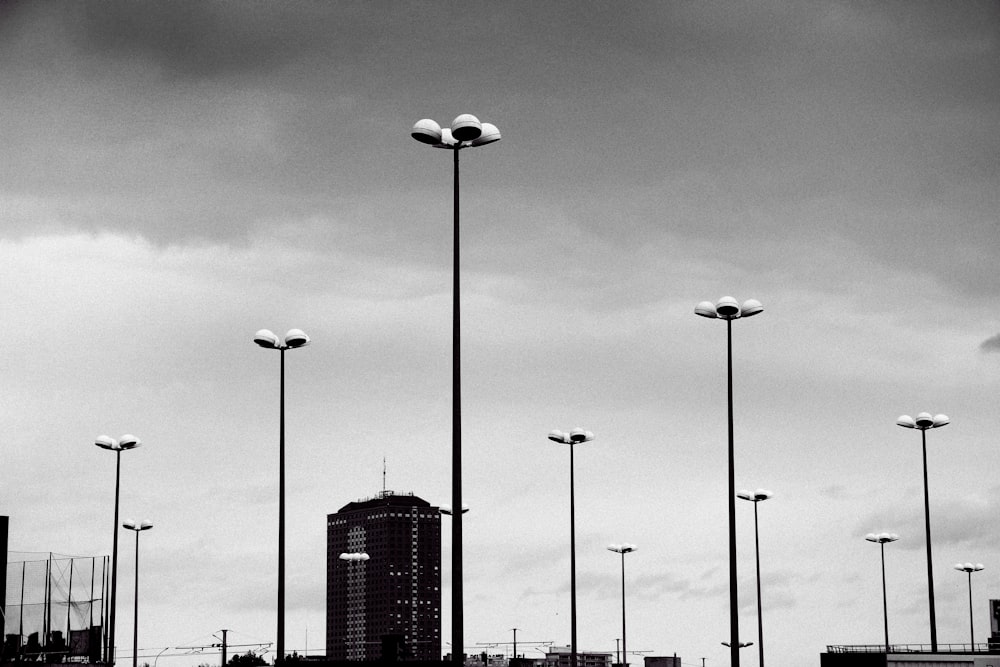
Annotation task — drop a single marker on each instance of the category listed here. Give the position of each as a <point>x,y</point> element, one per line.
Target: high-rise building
<point>388,605</point>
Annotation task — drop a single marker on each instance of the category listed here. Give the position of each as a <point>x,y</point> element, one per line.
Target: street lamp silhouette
<point>123,443</point>
<point>295,338</point>
<point>923,423</point>
<point>882,539</point>
<point>138,528</point>
<point>466,132</point>
<point>623,549</point>
<point>738,646</point>
<point>447,511</point>
<point>728,309</point>
<point>970,568</point>
<point>755,498</point>
<point>574,437</point>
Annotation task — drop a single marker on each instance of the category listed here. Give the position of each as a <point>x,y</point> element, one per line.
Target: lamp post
<point>623,549</point>
<point>728,309</point>
<point>970,568</point>
<point>755,498</point>
<point>466,132</point>
<point>923,423</point>
<point>882,539</point>
<point>123,443</point>
<point>138,528</point>
<point>293,339</point>
<point>574,437</point>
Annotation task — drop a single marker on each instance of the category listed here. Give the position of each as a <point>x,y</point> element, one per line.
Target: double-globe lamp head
<point>268,339</point>
<point>969,567</point>
<point>923,421</point>
<point>132,525</point>
<point>727,308</point>
<point>881,538</point>
<point>575,436</point>
<point>624,548</point>
<point>354,557</point>
<point>755,496</point>
<point>466,130</point>
<point>124,442</point>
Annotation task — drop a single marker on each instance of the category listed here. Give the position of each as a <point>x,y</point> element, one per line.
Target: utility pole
<point>515,641</point>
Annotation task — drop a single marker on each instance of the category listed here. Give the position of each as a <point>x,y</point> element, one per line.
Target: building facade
<point>388,606</point>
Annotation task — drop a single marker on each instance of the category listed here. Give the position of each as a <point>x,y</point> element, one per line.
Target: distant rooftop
<point>386,498</point>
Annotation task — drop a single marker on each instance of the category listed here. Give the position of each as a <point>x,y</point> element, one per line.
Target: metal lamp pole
<point>466,132</point>
<point>574,437</point>
<point>293,339</point>
<point>756,497</point>
<point>123,443</point>
<point>623,549</point>
<point>728,309</point>
<point>923,422</point>
<point>138,528</point>
<point>882,539</point>
<point>970,568</point>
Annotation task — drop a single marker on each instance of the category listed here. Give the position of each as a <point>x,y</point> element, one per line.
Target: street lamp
<point>466,132</point>
<point>738,645</point>
<point>138,528</point>
<point>923,422</point>
<point>728,309</point>
<point>268,340</point>
<point>447,511</point>
<point>882,539</point>
<point>623,549</point>
<point>123,443</point>
<point>970,568</point>
<point>756,497</point>
<point>574,437</point>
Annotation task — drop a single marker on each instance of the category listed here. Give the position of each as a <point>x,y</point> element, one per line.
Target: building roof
<point>385,498</point>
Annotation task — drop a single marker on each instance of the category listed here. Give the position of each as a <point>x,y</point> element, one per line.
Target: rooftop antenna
<point>383,475</point>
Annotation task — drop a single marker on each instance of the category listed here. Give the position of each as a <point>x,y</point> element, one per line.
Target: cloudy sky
<point>177,175</point>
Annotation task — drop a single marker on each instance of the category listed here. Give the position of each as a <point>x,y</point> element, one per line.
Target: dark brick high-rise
<point>390,604</point>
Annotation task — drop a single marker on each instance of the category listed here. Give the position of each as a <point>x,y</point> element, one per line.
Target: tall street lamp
<point>728,309</point>
<point>293,339</point>
<point>574,437</point>
<point>970,568</point>
<point>756,497</point>
<point>923,422</point>
<point>882,539</point>
<point>466,132</point>
<point>138,528</point>
<point>123,443</point>
<point>623,549</point>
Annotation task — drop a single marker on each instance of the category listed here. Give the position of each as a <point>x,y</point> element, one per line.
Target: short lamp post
<point>123,443</point>
<point>466,132</point>
<point>728,309</point>
<point>969,568</point>
<point>623,549</point>
<point>574,437</point>
<point>923,423</point>
<point>138,528</point>
<point>882,539</point>
<point>755,498</point>
<point>295,338</point>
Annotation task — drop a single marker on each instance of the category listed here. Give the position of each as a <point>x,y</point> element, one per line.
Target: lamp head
<point>426,131</point>
<point>579,435</point>
<point>881,538</point>
<point>106,442</point>
<point>558,436</point>
<point>706,309</point>
<point>969,567</point>
<point>906,421</point>
<point>466,128</point>
<point>267,338</point>
<point>940,420</point>
<point>129,523</point>
<point>762,494</point>
<point>296,338</point>
<point>146,525</point>
<point>490,135</point>
<point>750,308</point>
<point>924,421</point>
<point>727,308</point>
<point>129,441</point>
